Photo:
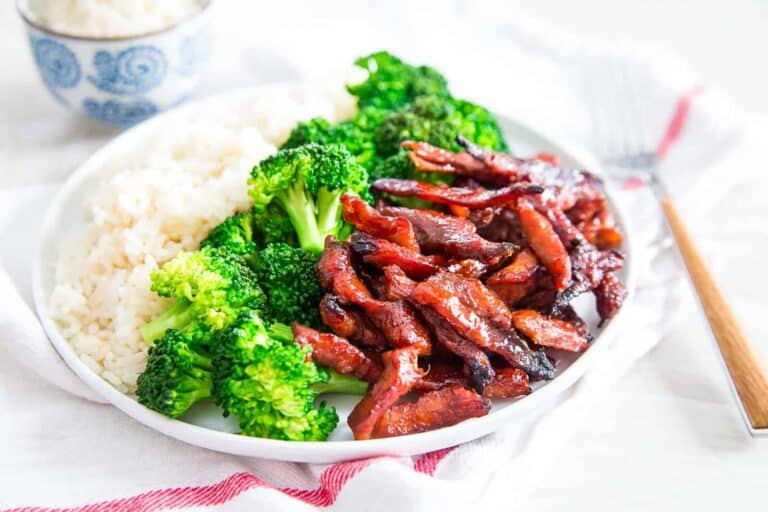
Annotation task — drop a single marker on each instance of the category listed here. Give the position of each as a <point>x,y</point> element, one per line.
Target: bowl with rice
<point>118,61</point>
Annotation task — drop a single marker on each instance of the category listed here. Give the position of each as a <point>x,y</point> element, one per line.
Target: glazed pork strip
<point>504,169</point>
<point>435,409</point>
<point>474,358</point>
<point>442,299</point>
<point>610,295</point>
<point>475,295</point>
<point>549,332</point>
<point>336,353</point>
<point>367,219</point>
<point>455,237</point>
<point>395,319</point>
<point>397,285</point>
<point>400,373</point>
<point>465,197</point>
<point>350,323</point>
<point>381,253</point>
<point>522,268</point>
<point>507,383</point>
<point>545,243</point>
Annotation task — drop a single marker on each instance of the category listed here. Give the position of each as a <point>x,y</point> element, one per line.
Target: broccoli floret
<point>210,287</point>
<point>307,183</point>
<point>438,120</point>
<point>235,235</point>
<point>392,83</point>
<point>287,276</point>
<point>268,383</point>
<point>177,375</point>
<point>355,134</point>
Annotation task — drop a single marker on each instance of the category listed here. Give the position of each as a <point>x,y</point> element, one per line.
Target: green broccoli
<point>235,235</point>
<point>438,120</point>
<point>177,375</point>
<point>270,384</point>
<point>307,183</point>
<point>355,134</point>
<point>210,286</point>
<point>287,276</point>
<point>392,83</point>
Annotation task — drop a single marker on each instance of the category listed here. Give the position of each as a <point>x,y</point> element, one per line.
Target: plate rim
<point>312,451</point>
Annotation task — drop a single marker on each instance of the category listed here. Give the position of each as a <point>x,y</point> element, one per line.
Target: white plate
<point>204,426</point>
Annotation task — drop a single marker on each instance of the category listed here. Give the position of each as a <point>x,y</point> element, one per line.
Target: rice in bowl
<point>161,197</point>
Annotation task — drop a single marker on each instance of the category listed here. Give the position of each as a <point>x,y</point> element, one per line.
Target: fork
<point>629,156</point>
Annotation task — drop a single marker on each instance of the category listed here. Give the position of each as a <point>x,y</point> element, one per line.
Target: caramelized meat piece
<point>522,268</point>
<point>476,296</point>
<point>468,268</point>
<point>396,320</point>
<point>436,409</point>
<point>610,295</point>
<point>440,374</point>
<point>549,332</point>
<point>397,285</point>
<point>430,158</point>
<point>601,230</point>
<point>455,237</point>
<point>367,219</point>
<point>441,298</point>
<point>508,383</point>
<point>545,243</point>
<point>589,268</point>
<point>513,293</point>
<point>568,314</point>
<point>442,194</point>
<point>400,373</point>
<point>348,322</point>
<point>336,353</point>
<point>474,358</point>
<point>381,253</point>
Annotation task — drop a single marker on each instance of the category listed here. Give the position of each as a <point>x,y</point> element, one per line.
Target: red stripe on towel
<point>676,124</point>
<point>332,481</point>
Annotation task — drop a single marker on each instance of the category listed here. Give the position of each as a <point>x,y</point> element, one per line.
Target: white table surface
<point>669,435</point>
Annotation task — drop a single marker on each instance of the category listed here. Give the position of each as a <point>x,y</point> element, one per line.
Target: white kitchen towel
<point>62,451</point>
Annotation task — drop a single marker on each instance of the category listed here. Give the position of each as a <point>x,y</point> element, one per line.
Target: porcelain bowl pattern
<point>124,80</point>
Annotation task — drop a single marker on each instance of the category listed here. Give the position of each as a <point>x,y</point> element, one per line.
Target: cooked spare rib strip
<point>453,236</point>
<point>400,373</point>
<point>507,383</point>
<point>364,217</point>
<point>435,409</point>
<point>610,295</point>
<point>475,295</point>
<point>336,353</point>
<point>523,267</point>
<point>348,322</point>
<point>549,332</point>
<point>396,319</point>
<point>437,294</point>
<point>381,253</point>
<point>442,194</point>
<point>468,268</point>
<point>397,285</point>
<point>474,358</point>
<point>503,169</point>
<point>545,243</point>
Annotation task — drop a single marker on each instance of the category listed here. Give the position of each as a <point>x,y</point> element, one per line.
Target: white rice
<point>155,199</point>
<point>110,18</point>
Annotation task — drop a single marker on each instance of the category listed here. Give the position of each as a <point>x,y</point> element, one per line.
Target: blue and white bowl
<point>122,80</point>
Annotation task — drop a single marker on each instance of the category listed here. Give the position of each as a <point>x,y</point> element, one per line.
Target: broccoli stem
<point>328,211</point>
<point>178,316</point>
<point>340,383</point>
<point>301,210</point>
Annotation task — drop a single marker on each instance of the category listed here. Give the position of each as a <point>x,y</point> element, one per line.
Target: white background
<point>669,435</point>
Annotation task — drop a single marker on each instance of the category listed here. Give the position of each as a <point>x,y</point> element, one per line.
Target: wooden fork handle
<point>744,365</point>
